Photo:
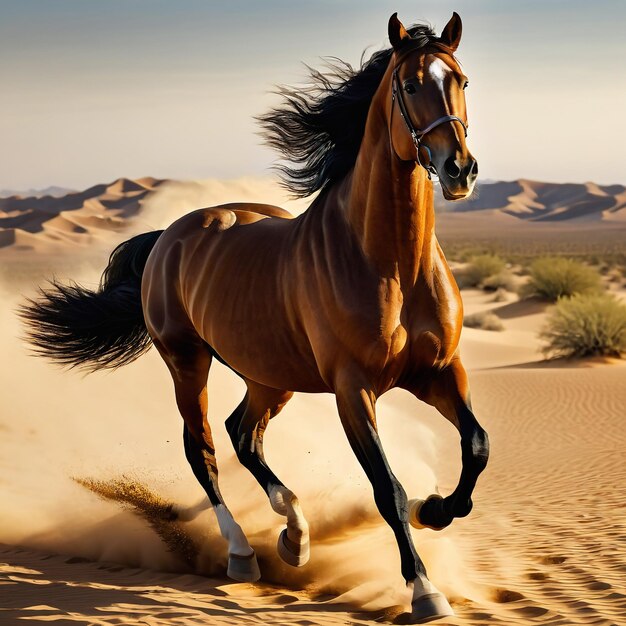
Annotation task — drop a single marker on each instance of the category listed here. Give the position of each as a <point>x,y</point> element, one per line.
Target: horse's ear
<point>397,32</point>
<point>451,34</point>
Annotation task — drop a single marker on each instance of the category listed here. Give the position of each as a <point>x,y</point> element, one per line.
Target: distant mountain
<point>536,201</point>
<point>43,222</point>
<point>55,191</point>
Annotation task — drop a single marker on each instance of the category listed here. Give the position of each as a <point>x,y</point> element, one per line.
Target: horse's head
<point>428,117</point>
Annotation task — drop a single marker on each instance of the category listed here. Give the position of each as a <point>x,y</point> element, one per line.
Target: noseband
<point>416,134</point>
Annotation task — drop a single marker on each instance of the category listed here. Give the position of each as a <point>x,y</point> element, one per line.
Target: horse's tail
<point>95,329</point>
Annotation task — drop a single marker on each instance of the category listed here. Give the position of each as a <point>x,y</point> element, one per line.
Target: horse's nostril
<point>474,169</point>
<point>451,168</point>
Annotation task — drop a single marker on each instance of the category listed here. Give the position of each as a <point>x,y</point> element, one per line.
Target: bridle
<point>416,134</point>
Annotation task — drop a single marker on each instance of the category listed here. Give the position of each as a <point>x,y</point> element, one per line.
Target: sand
<point>545,543</point>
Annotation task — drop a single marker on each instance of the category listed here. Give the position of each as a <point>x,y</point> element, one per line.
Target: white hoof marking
<point>231,531</point>
<point>284,502</point>
<point>428,602</point>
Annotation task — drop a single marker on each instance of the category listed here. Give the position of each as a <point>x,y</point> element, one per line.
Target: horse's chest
<point>414,337</point>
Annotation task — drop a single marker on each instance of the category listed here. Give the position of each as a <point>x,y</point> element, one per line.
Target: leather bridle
<point>416,134</point>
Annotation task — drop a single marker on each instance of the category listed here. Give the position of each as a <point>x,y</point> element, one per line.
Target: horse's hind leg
<point>189,364</point>
<point>246,427</point>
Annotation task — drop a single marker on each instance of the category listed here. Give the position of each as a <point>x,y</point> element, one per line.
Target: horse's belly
<point>262,351</point>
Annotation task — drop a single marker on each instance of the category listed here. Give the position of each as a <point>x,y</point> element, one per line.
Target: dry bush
<point>504,280</point>
<point>485,320</point>
<point>586,325</point>
<point>479,269</point>
<point>552,278</point>
<point>500,295</point>
<point>465,254</point>
<point>615,275</point>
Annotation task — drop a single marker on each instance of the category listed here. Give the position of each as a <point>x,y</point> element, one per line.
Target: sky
<point>92,90</point>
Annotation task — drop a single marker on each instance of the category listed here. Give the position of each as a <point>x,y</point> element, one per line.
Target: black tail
<point>101,329</point>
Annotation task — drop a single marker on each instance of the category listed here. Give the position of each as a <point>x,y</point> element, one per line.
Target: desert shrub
<point>586,325</point>
<point>485,320</point>
<point>467,253</point>
<point>615,275</point>
<point>479,269</point>
<point>502,280</point>
<point>552,278</point>
<point>500,295</point>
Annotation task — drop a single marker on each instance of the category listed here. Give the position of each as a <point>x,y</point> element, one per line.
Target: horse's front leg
<point>356,409</point>
<point>448,391</point>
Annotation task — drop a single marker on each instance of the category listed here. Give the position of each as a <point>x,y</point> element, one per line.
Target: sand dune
<point>72,218</point>
<point>89,465</point>
<point>537,201</point>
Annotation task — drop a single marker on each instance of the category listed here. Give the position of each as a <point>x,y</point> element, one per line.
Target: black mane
<point>319,127</point>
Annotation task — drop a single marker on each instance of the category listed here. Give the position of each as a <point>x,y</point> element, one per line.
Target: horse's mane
<point>319,127</point>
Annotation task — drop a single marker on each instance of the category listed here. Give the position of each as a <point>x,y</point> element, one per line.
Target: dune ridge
<point>537,201</point>
<point>35,223</point>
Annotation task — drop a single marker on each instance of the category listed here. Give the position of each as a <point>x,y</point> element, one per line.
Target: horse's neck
<point>389,205</point>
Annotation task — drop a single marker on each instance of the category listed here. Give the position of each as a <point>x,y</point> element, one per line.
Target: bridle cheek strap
<point>416,134</point>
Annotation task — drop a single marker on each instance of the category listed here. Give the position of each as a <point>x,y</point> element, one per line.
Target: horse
<point>353,297</point>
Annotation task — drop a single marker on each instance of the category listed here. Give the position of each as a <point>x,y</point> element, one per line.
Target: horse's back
<point>191,248</point>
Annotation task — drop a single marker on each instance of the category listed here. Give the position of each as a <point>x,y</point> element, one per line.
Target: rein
<point>416,134</point>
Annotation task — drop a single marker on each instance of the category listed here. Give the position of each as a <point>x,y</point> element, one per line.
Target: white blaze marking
<point>438,70</point>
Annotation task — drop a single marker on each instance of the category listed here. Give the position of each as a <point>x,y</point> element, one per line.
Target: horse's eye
<point>409,88</point>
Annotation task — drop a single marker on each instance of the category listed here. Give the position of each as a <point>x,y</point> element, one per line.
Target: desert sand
<point>89,464</point>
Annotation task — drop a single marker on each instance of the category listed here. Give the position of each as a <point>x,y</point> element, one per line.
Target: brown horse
<point>353,297</point>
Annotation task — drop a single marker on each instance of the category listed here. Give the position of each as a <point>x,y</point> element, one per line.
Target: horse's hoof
<point>295,554</point>
<point>430,607</point>
<point>415,507</point>
<point>243,569</point>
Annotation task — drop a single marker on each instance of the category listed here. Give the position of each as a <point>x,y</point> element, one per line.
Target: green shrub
<point>552,278</point>
<point>485,320</point>
<point>479,269</point>
<point>586,325</point>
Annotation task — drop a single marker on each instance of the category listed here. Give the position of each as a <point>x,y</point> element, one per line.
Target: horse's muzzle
<point>457,177</point>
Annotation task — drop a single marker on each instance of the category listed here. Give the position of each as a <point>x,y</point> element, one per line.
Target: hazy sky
<point>92,90</point>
